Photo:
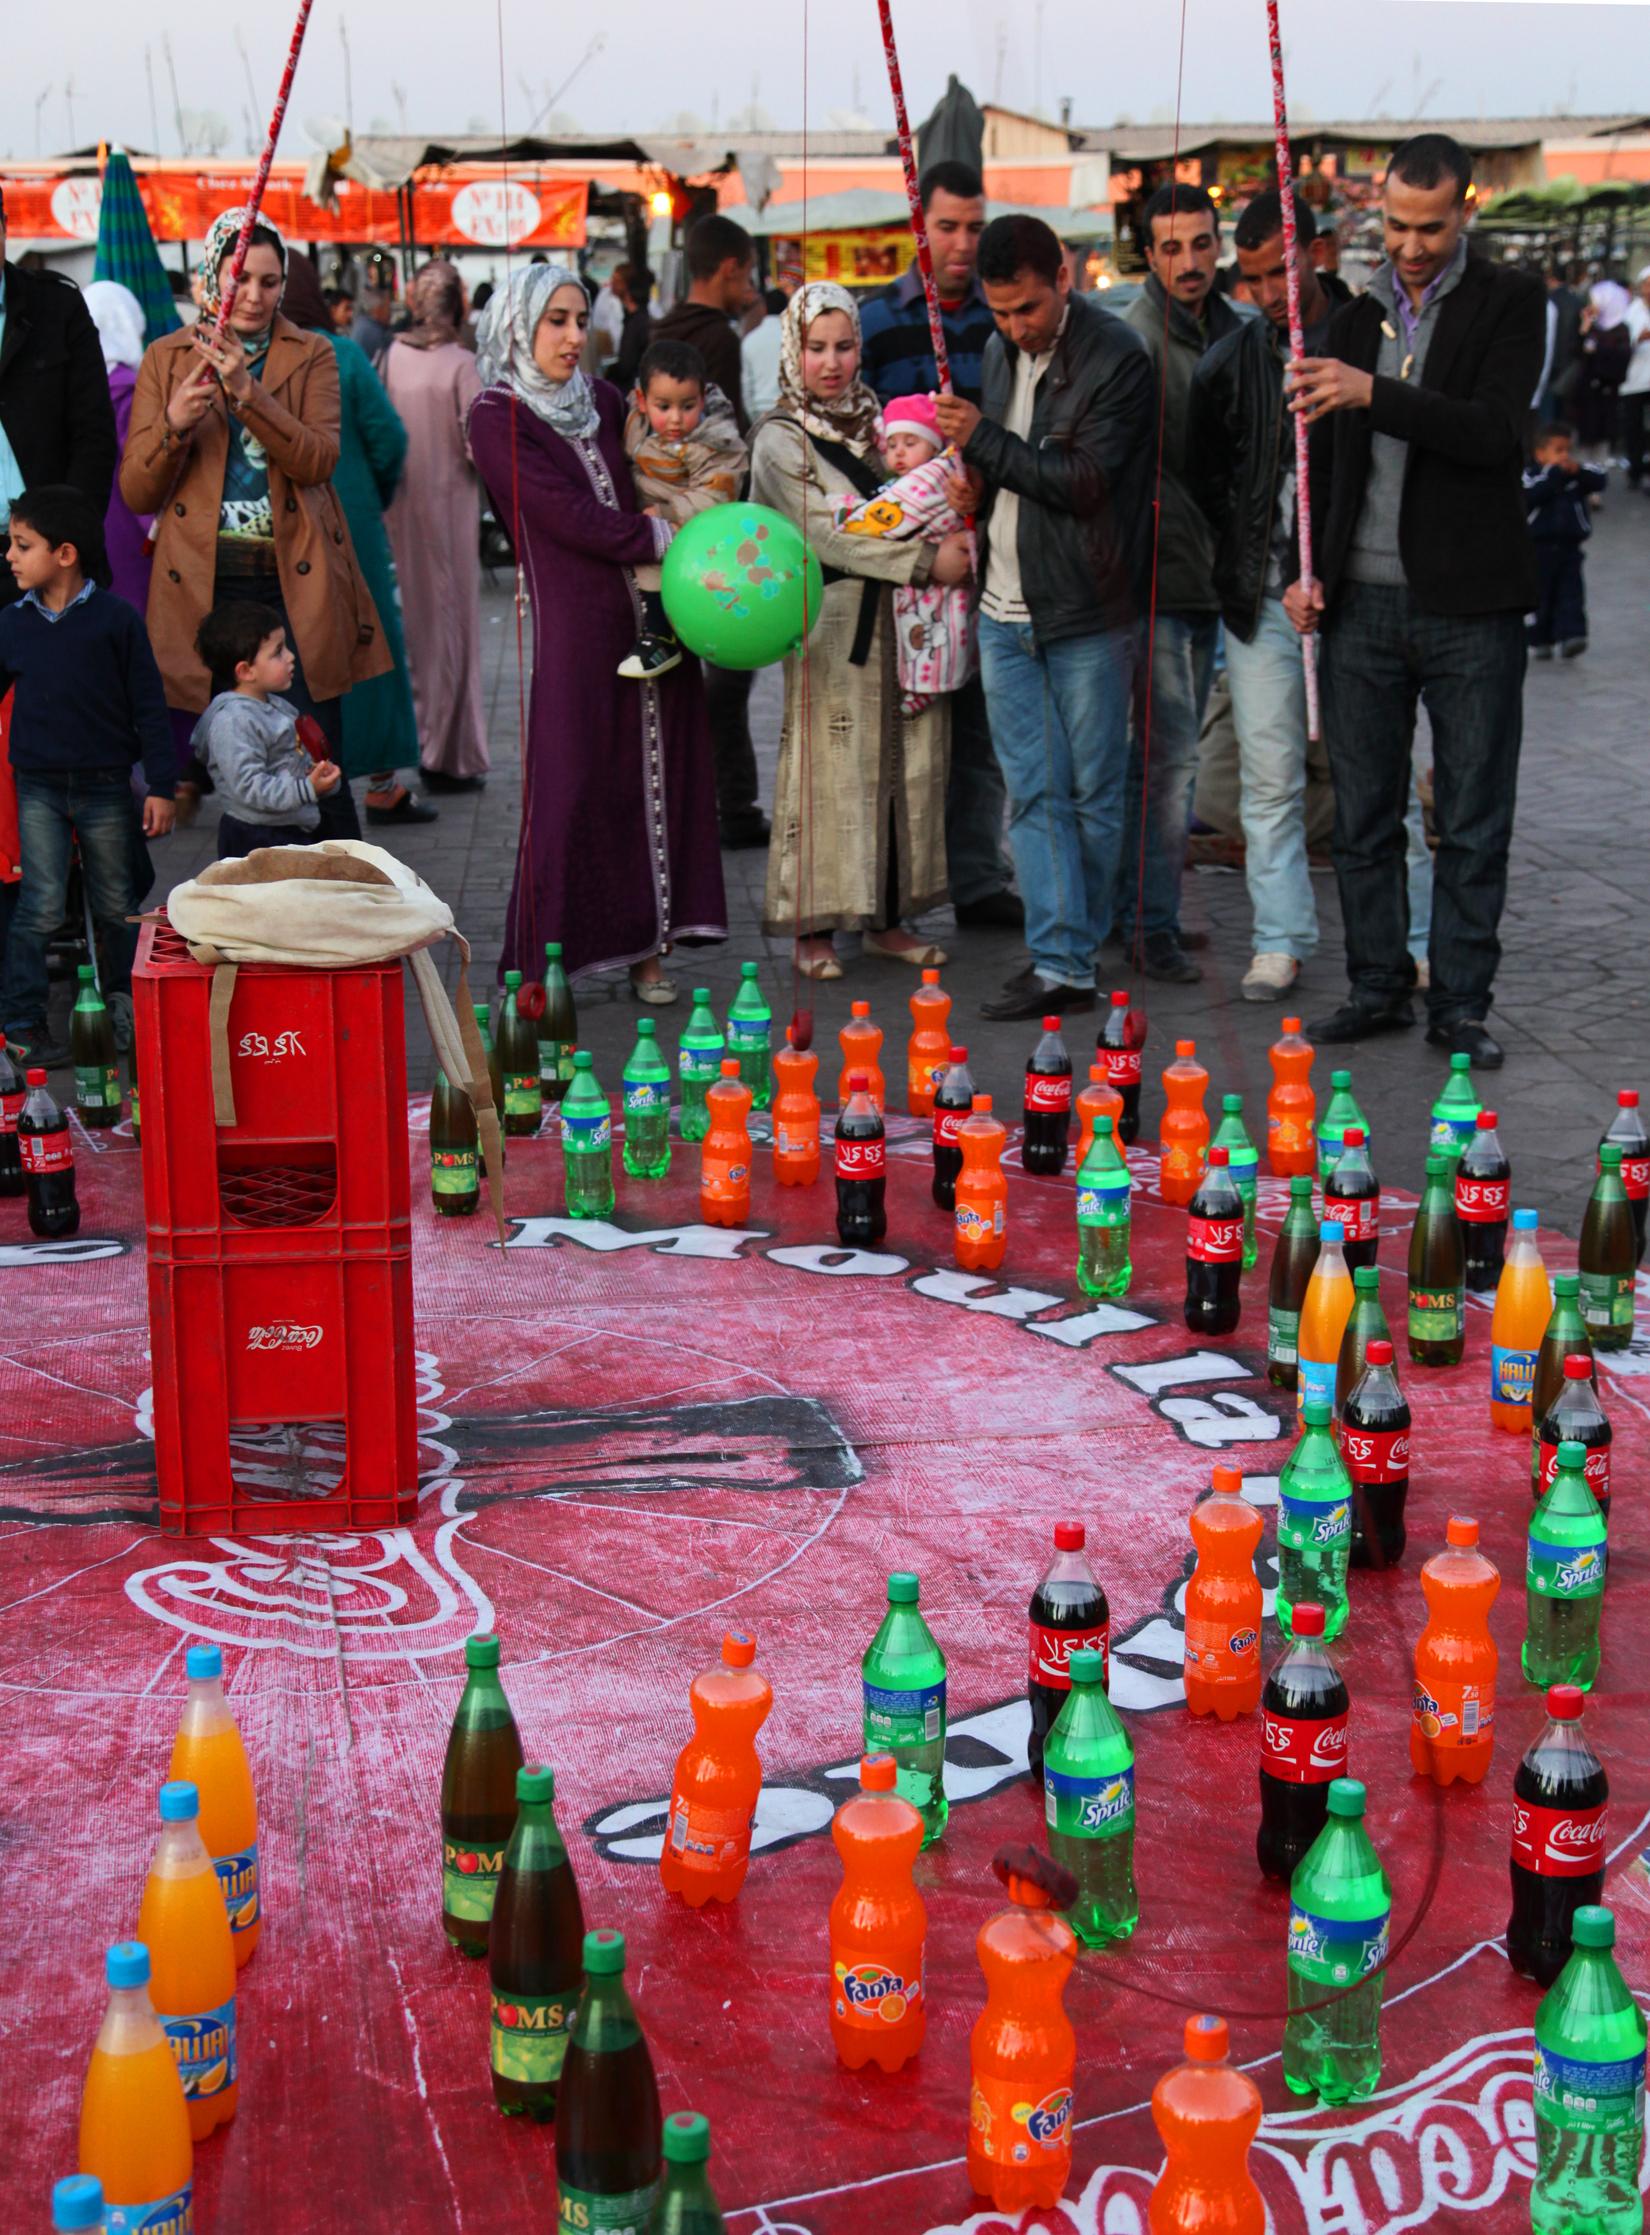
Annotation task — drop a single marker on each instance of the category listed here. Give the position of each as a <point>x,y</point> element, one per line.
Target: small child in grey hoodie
<point>267,784</point>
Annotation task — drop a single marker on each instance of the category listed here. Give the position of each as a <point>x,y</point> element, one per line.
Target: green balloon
<point>740,586</point>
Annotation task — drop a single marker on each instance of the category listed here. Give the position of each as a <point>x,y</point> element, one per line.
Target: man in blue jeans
<point>1059,462</point>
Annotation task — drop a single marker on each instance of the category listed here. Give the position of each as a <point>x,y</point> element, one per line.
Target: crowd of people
<point>246,563</point>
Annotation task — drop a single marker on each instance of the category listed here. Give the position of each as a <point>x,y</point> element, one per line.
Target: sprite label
<point>579,2212</point>
<point>1336,1951</point>
<point>1450,1135</point>
<point>1104,1204</point>
<point>903,1718</point>
<point>1564,1571</point>
<point>586,1136</point>
<point>1588,2098</point>
<point>529,2036</point>
<point>1436,1315</point>
<point>1606,1298</point>
<point>746,1035</point>
<point>97,1087</point>
<point>702,1063</point>
<point>1089,1807</point>
<point>644,1099</point>
<point>1283,1330</point>
<point>1310,1521</point>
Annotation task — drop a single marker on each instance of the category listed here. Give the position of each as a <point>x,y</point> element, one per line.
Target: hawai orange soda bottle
<point>208,1754</point>
<point>878,1925</point>
<point>861,1042</point>
<point>1452,1732</point>
<point>1523,1306</point>
<point>1223,1603</point>
<point>1183,1138</point>
<point>185,1927</point>
<point>718,1779</point>
<point>1023,2052</point>
<point>1291,1107</point>
<point>795,1115</point>
<point>1098,1099</point>
<point>134,2123</point>
<point>725,1152</point>
<point>928,1051</point>
<point>1207,2115</point>
<point>982,1190</point>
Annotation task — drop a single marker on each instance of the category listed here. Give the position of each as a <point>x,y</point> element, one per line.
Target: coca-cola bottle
<point>1122,1038</point>
<point>1352,1194</point>
<point>1048,1103</point>
<point>861,1167</point>
<point>1214,1250</point>
<point>1483,1190</point>
<point>47,1156</point>
<point>1069,1614</point>
<point>1576,1416</point>
<point>1626,1129</point>
<point>1375,1446</point>
<point>1560,1793</point>
<point>953,1099</point>
<point>1304,1709</point>
<point>12,1091</point>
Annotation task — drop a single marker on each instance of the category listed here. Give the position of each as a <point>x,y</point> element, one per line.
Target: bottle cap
<point>481,1652</point>
<point>1185,1051</point>
<point>738,1649</point>
<point>903,1588</point>
<point>537,1783</point>
<point>1460,1529</point>
<point>1526,1222</point>
<point>552,948</point>
<point>1069,1536</point>
<point>1291,1024</point>
<point>930,977</point>
<point>1438,1167</point>
<point>1485,1121</point>
<point>34,1076</point>
<point>1051,1024</point>
<point>687,2133</point>
<point>204,1660</point>
<point>1317,1412</point>
<point>959,1055</point>
<point>127,1964</point>
<point>1565,1702</point>
<point>1572,1454</point>
<point>512,981</point>
<point>701,997</point>
<point>981,1105</point>
<point>86,974</point>
<point>645,1028</point>
<point>1340,1080</point>
<point>859,1008</point>
<point>1207,2040</point>
<point>584,1060</point>
<point>878,1773</point>
<point>747,970</point>
<point>1119,1000</point>
<point>1332,1231</point>
<point>1354,1137</point>
<point>1231,1104</point>
<point>180,1802</point>
<point>1628,1097</point>
<point>1609,1156</point>
<point>604,1950</point>
<point>1567,1286</point>
<point>858,1081</point>
<point>1097,1074</point>
<point>1367,1278</point>
<point>1220,1158</point>
<point>1578,1367</point>
<point>77,2202</point>
<point>1593,1926</point>
<point>1087,1668</point>
<point>730,1069</point>
<point>1306,1620</point>
<point>1104,1124</point>
<point>480,1010</point>
<point>1460,1062</point>
<point>1300,1187</point>
<point>1379,1353</point>
<point>1346,1797</point>
<point>1228,1480</point>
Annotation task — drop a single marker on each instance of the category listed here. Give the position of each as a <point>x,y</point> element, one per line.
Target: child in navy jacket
<point>1556,491</point>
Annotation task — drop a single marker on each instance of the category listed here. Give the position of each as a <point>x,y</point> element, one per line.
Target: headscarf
<point>504,352</point>
<point>853,417</point>
<point>436,297</point>
<point>221,236</point>
<point>302,302</point>
<point>118,316</point>
<point>1612,303</point>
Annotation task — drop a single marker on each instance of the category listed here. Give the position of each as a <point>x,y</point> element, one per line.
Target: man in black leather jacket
<point>1060,459</point>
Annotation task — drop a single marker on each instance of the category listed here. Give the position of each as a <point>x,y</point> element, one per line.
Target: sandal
<point>658,992</point>
<point>926,957</point>
<point>817,966</point>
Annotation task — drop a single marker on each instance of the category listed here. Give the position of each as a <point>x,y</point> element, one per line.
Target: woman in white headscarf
<point>859,803</point>
<point>118,316</point>
<point>618,857</point>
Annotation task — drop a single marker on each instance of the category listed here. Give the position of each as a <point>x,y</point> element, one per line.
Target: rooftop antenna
<point>349,83</point>
<point>68,104</point>
<point>177,104</point>
<point>154,113</point>
<point>40,100</point>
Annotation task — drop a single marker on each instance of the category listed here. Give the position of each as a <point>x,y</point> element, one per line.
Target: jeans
<point>1560,616</point>
<point>54,807</point>
<point>1382,653</point>
<point>975,802</point>
<point>1060,726</point>
<point>1268,686</point>
<point>338,816</point>
<point>728,705</point>
<point>1159,807</point>
<point>1418,874</point>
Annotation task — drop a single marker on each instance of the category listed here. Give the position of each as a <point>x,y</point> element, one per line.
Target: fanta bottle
<point>861,1040</point>
<point>1223,1603</point>
<point>1452,1733</point>
<point>1207,2115</point>
<point>718,1779</point>
<point>185,1927</point>
<point>1183,1142</point>
<point>878,1925</point>
<point>1022,2049</point>
<point>928,1051</point>
<point>1325,1310</point>
<point>795,1115</point>
<point>1523,1306</point>
<point>207,1753</point>
<point>134,2123</point>
<point>982,1191</point>
<point>725,1152</point>
<point>1098,1099</point>
<point>1291,1145</point>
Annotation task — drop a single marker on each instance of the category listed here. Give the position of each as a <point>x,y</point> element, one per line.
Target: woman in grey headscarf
<point>618,856</point>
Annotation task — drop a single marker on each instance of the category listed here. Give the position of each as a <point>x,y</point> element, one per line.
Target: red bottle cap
<point>878,1773</point>
<point>1229,1480</point>
<point>1119,1000</point>
<point>860,1008</point>
<point>1307,1620</point>
<point>730,1067</point>
<point>34,1076</point>
<point>1069,1536</point>
<point>1578,1367</point>
<point>738,1649</point>
<point>1291,1024</point>
<point>959,1055</point>
<point>1185,1051</point>
<point>1051,1024</point>
<point>1461,1530</point>
<point>1220,1156</point>
<point>1486,1121</point>
<point>1207,2040</point>
<point>858,1081</point>
<point>1353,1137</point>
<point>1628,1097</point>
<point>982,1105</point>
<point>1379,1353</point>
<point>1565,1703</point>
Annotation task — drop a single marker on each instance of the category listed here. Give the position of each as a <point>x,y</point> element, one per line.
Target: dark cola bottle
<point>1560,1794</point>
<point>953,1100</point>
<point>1120,1046</point>
<point>1483,1190</point>
<point>1627,1131</point>
<point>1576,1416</point>
<point>1214,1250</point>
<point>1352,1194</point>
<point>47,1157</point>
<point>1304,1710</point>
<point>1375,1446</point>
<point>12,1091</point>
<point>1048,1103</point>
<point>861,1168</point>
<point>1069,1614</point>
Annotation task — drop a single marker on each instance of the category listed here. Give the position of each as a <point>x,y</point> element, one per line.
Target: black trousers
<point>1560,616</point>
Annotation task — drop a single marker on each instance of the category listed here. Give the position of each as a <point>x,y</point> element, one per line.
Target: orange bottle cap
<point>1207,2039</point>
<point>1229,1480</point>
<point>1097,1072</point>
<point>982,1103</point>
<point>1291,1024</point>
<point>1460,1530</point>
<point>738,1649</point>
<point>930,977</point>
<point>730,1067</point>
<point>1184,1050</point>
<point>861,1008</point>
<point>878,1773</point>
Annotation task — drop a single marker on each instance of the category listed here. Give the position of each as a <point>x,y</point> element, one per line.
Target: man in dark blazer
<point>1426,571</point>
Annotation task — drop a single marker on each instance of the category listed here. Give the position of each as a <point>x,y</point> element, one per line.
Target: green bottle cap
<point>1104,1125</point>
<point>701,997</point>
<point>1572,1454</point>
<point>687,2138</point>
<point>536,1784</point>
<point>87,976</point>
<point>1609,1154</point>
<point>552,948</point>
<point>645,1028</point>
<point>1316,1413</point>
<point>584,1060</point>
<point>481,1652</point>
<point>604,1951</point>
<point>1087,1668</point>
<point>512,981</point>
<point>481,1011</point>
<point>747,970</point>
<point>1366,1278</point>
<point>1300,1188</point>
<point>903,1589</point>
<point>1567,1286</point>
<point>1340,1080</point>
<point>1231,1104</point>
<point>1438,1167</point>
<point>1346,1797</point>
<point>1593,1926</point>
<point>1460,1062</point>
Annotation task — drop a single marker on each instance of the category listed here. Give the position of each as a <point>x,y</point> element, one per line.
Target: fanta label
<point>1437,1315</point>
<point>44,1153</point>
<point>1606,1299</point>
<point>1123,1069</point>
<point>1043,1093</point>
<point>915,1718</point>
<point>1558,1842</point>
<point>1215,1241</point>
<point>861,1160</point>
<point>1512,1375</point>
<point>1013,2128</point>
<point>581,2212</point>
<point>787,1141</point>
<point>1376,1455</point>
<point>529,2036</point>
<point>1302,1749</point>
<point>706,1838</point>
<point>1051,1652</point>
<point>1482,1202</point>
<point>1360,1215</point>
<point>1598,1471</point>
<point>1089,1807</point>
<point>167,2215</point>
<point>978,1222</point>
<point>203,2049</point>
<point>1317,1380</point>
<point>238,1876</point>
<point>469,1880</point>
<point>1337,1951</point>
<point>869,1994</point>
<point>1564,1571</point>
<point>1584,2097</point>
<point>1449,1714</point>
<point>1283,1330</point>
<point>1635,1177</point>
<point>1217,1649</point>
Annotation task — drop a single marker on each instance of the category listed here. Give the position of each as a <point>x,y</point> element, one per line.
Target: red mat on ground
<point>634,1435</point>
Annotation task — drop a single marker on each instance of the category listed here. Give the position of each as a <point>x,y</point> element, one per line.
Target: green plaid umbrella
<point>126,248</point>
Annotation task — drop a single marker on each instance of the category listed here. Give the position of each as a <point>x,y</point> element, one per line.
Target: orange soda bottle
<point>861,1040</point>
<point>1223,1603</point>
<point>725,1152</point>
<point>718,1778</point>
<point>1022,2050</point>
<point>795,1115</point>
<point>207,1753</point>
<point>1098,1099</point>
<point>982,1190</point>
<point>1523,1306</point>
<point>928,1051</point>
<point>1452,1732</point>
<point>1325,1309</point>
<point>185,1927</point>
<point>1183,1141</point>
<point>1291,1107</point>
<point>878,1925</point>
<point>134,2123</point>
<point>1207,2115</point>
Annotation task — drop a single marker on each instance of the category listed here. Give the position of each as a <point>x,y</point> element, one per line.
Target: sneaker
<point>120,1021</point>
<point>1574,646</point>
<point>1166,958</point>
<point>650,657</point>
<point>36,1050</point>
<point>1270,976</point>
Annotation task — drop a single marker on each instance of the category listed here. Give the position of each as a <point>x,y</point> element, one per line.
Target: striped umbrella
<point>126,248</point>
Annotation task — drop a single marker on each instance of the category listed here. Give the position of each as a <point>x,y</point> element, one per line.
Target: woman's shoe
<point>822,963</point>
<point>437,780</point>
<point>921,956</point>
<point>658,993</point>
<point>649,658</point>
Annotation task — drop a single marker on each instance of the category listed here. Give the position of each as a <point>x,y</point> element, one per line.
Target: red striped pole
<point>1303,491</point>
<point>254,200</point>
<point>913,195</point>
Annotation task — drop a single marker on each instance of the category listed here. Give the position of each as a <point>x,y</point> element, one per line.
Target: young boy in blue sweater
<point>88,705</point>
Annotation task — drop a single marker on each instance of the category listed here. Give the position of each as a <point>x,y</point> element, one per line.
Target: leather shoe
<point>1167,959</point>
<point>1031,996</point>
<point>994,911</point>
<point>403,807</point>
<point>1361,1020</point>
<point>1469,1036</point>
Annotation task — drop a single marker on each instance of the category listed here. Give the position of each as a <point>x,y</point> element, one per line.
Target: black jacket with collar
<point>1461,530</point>
<point>1233,451</point>
<point>1083,477</point>
<point>54,391</point>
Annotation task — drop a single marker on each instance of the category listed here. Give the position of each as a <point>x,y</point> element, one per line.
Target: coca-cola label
<point>1215,1241</point>
<point>41,1154</point>
<point>1376,1455</point>
<point>11,1106</point>
<point>1043,1093</point>
<point>1482,1202</point>
<point>1360,1215</point>
<point>1635,1176</point>
<point>946,1123</point>
<point>861,1160</point>
<point>1303,1749</point>
<point>1051,1652</point>
<point>1123,1069</point>
<point>1557,1842</point>
<point>1597,1470</point>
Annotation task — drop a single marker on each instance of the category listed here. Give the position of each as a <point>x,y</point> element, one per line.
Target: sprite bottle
<point>587,1143</point>
<point>534,1955</point>
<point>646,1107</point>
<point>699,1064</point>
<point>607,2107</point>
<point>903,1675</point>
<point>1243,1161</point>
<point>1455,1113</point>
<point>749,1020</point>
<point>558,1027</point>
<point>1088,1799</point>
<point>1589,2092</point>
<point>1437,1300</point>
<point>1607,1256</point>
<point>1339,1112</point>
<point>1292,1261</point>
<point>1314,1523</point>
<point>97,1071</point>
<point>478,1799</point>
<point>685,2204</point>
<point>518,1057</point>
<point>1564,1578</point>
<point>455,1162</point>
<point>495,1069</point>
<point>1340,1907</point>
<point>1103,1266</point>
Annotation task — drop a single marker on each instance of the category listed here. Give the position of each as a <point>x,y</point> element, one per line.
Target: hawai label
<point>1558,1842</point>
<point>915,1718</point>
<point>238,1876</point>
<point>869,1992</point>
<point>167,2215</point>
<point>1564,1571</point>
<point>203,2049</point>
<point>454,1172</point>
<point>861,1160</point>
<point>705,1838</point>
<point>1437,1315</point>
<point>529,2035</point>
<point>1215,1241</point>
<point>1123,1068</point>
<point>1598,1470</point>
<point>1283,1329</point>
<point>1360,1215</point>
<point>1588,2098</point>
<point>1310,1522</point>
<point>1089,1807</point>
<point>1051,1652</point>
<point>1482,1202</point>
<point>581,2212</point>
<point>1044,1094</point>
<point>96,1086</point>
<point>585,1136</point>
<point>1512,1375</point>
<point>1012,2129</point>
<point>1336,1951</point>
<point>1606,1298</point>
<point>1376,1455</point>
<point>469,1879</point>
<point>41,1154</point>
<point>1317,1381</point>
<point>1302,1749</point>
<point>1449,1714</point>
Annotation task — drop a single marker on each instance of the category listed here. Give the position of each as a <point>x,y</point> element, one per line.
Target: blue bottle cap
<point>204,1660</point>
<point>180,1803</point>
<point>127,1964</point>
<point>1332,1230</point>
<point>1526,1222</point>
<point>78,2202</point>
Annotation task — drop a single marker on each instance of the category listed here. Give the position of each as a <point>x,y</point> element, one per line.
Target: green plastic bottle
<point>1607,1255</point>
<point>1340,1111</point>
<point>518,1057</point>
<point>558,1027</point>
<point>587,1143</point>
<point>685,2204</point>
<point>1564,1577</point>
<point>607,2107</point>
<point>1340,1907</point>
<point>1103,1263</point>
<point>699,1064</point>
<point>1437,1302</point>
<point>478,1798</point>
<point>97,1068</point>
<point>1589,2092</point>
<point>1566,1336</point>
<point>903,1677</point>
<point>749,1021</point>
<point>646,1107</point>
<point>1455,1113</point>
<point>1088,1799</point>
<point>1292,1262</point>
<point>1314,1523</point>
<point>1365,1324</point>
<point>1243,1159</point>
<point>535,1954</point>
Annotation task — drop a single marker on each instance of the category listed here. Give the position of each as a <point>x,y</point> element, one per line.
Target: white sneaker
<point>1270,977</point>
